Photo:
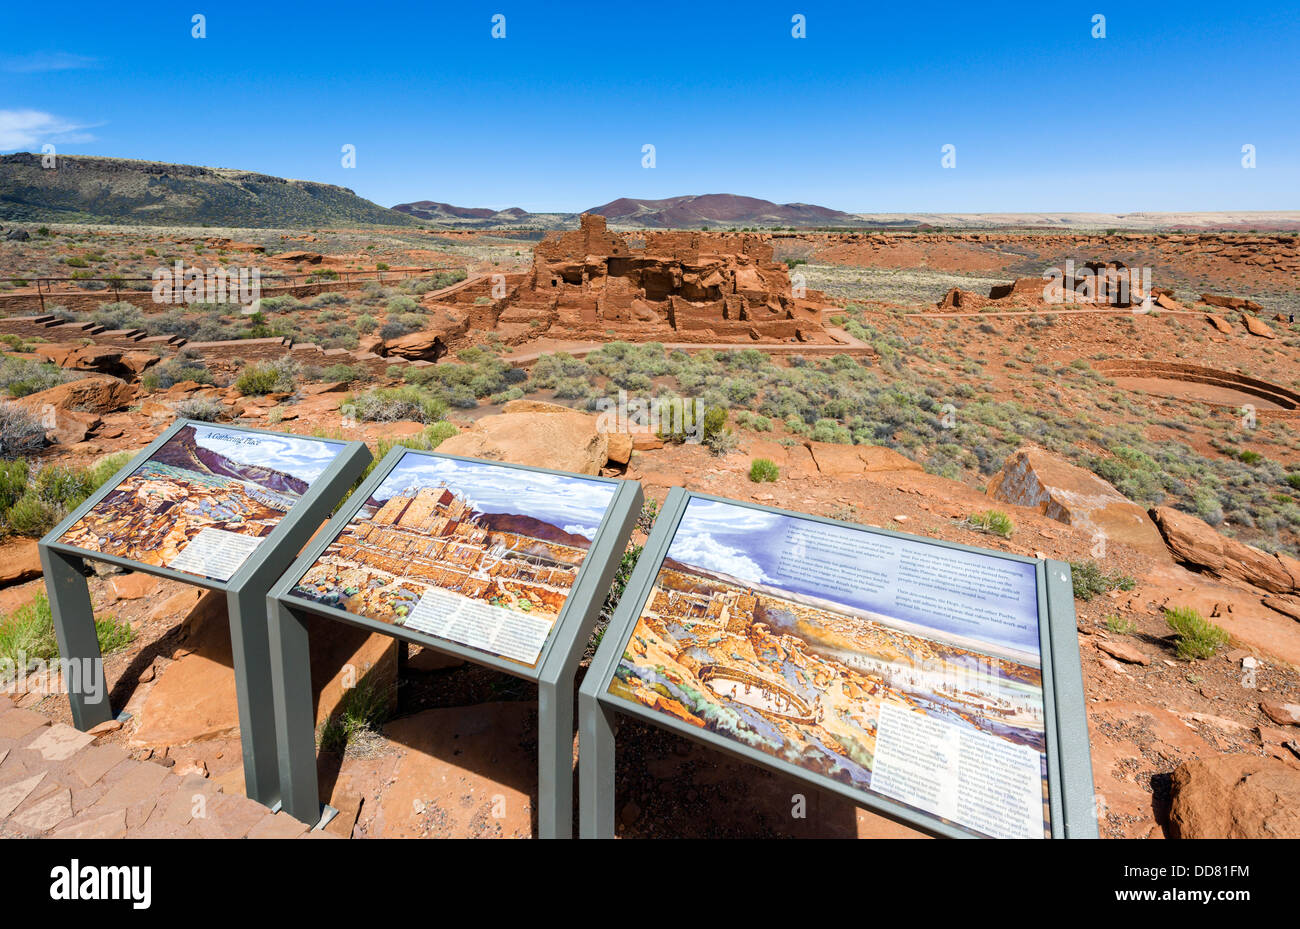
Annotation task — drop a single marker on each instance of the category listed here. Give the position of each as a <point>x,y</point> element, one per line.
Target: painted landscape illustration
<point>451,533</point>
<point>204,478</point>
<point>727,643</point>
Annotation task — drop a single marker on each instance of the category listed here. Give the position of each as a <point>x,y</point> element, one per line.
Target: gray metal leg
<point>295,722</point>
<point>252,660</point>
<point>595,768</point>
<point>74,628</point>
<point>555,758</point>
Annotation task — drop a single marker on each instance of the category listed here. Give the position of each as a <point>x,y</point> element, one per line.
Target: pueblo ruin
<point>594,284</point>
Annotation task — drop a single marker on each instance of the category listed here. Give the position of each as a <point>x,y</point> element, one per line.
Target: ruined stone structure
<point>590,284</point>
<point>687,286</point>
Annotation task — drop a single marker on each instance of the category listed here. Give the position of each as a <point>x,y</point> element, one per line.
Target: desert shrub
<point>174,371</point>
<point>401,304</point>
<point>268,377</point>
<point>331,298</point>
<point>21,433</point>
<point>994,522</point>
<point>20,377</point>
<point>1089,580</point>
<point>365,323</point>
<point>203,409</point>
<point>1197,637</point>
<point>1120,625</point>
<point>763,469</point>
<point>120,315</point>
<point>393,404</point>
<point>342,373</point>
<point>27,634</point>
<point>394,330</point>
<point>717,435</point>
<point>363,709</point>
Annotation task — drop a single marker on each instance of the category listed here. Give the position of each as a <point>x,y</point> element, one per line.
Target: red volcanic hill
<point>717,209</point>
<point>533,528</point>
<point>184,452</point>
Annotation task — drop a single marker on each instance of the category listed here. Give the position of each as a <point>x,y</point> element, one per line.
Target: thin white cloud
<point>29,129</point>
<point>38,62</point>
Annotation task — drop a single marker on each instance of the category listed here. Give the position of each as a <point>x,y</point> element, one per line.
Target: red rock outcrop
<point>1196,543</point>
<point>1036,478</point>
<point>1235,797</point>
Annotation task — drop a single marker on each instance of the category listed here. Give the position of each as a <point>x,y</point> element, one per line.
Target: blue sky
<point>573,503</point>
<point>1044,117</point>
<point>304,458</point>
<point>748,544</point>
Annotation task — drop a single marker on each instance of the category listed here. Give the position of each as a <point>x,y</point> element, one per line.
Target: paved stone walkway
<point>57,782</point>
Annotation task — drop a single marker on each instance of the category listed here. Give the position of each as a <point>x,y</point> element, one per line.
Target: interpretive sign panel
<point>473,552</point>
<point>220,507</point>
<point>501,564</point>
<point>204,501</point>
<point>899,669</point>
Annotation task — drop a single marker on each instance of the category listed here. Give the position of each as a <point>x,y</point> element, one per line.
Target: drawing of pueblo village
<point>453,530</point>
<point>737,640</point>
<point>203,478</point>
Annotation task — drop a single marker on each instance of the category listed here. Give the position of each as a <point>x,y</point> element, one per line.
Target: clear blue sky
<point>1044,117</point>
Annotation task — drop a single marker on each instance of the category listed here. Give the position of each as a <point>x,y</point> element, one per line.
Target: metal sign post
<point>403,503</point>
<point>839,655</point>
<point>337,467</point>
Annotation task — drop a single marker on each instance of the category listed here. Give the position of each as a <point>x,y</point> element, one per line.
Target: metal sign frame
<point>553,671</point>
<point>1070,786</point>
<point>74,622</point>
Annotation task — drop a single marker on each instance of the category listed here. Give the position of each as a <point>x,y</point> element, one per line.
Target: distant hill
<point>688,212</point>
<point>85,189</point>
<point>718,210</point>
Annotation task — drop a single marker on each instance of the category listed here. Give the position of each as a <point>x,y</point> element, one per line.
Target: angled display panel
<point>469,551</point>
<point>220,507</point>
<point>203,502</point>
<point>500,564</point>
<point>902,672</point>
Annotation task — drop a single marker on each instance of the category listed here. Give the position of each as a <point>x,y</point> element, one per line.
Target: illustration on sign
<point>892,666</point>
<point>479,554</point>
<point>203,502</point>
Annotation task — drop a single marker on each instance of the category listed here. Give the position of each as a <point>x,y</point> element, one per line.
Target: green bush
<point>268,377</point>
<point>174,371</point>
<point>763,469</point>
<point>1120,625</point>
<point>20,377</point>
<point>1197,636</point>
<point>994,522</point>
<point>1089,580</point>
<point>27,634</point>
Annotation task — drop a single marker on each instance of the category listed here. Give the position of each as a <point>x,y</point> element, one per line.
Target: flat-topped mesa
<point>678,286</point>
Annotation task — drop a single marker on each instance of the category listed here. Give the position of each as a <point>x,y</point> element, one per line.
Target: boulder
<point>1035,478</point>
<point>1167,302</point>
<point>427,345</point>
<point>564,441</point>
<point>1284,714</point>
<point>1257,327</point>
<point>1195,542</point>
<point>97,394</point>
<point>19,562</point>
<point>1218,322</point>
<point>849,461</point>
<point>1235,797</point>
<point>1230,303</point>
<point>17,235</point>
